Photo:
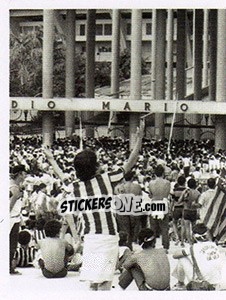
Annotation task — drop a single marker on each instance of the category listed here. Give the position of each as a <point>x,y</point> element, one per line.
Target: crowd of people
<point>185,176</point>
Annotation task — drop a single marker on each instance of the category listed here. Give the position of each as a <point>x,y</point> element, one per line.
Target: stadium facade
<point>185,50</point>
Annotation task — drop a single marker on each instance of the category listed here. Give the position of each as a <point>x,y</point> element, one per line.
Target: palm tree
<point>26,63</point>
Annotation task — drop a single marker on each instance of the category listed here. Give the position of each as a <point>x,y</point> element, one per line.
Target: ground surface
<point>32,285</point>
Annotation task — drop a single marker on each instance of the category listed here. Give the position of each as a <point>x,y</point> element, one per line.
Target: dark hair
<point>16,170</point>
<point>192,183</point>
<point>199,228</point>
<point>181,180</point>
<point>40,223</point>
<point>85,164</point>
<point>24,237</point>
<point>123,237</point>
<point>30,224</point>
<point>144,235</point>
<point>52,228</point>
<point>211,182</point>
<point>41,186</point>
<point>70,250</point>
<point>159,170</point>
<point>129,175</point>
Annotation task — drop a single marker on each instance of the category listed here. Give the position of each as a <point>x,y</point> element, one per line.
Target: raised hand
<point>48,153</point>
<point>140,130</point>
<point>142,125</point>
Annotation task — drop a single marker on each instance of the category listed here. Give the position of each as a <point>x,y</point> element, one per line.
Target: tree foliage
<point>26,69</point>
<point>26,66</point>
<point>125,65</point>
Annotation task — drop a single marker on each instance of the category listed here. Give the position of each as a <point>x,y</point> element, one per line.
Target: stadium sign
<point>120,105</point>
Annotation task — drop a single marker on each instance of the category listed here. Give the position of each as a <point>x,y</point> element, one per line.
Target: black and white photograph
<point>114,149</point>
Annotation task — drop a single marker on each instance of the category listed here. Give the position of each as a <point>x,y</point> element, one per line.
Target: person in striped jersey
<point>25,254</point>
<point>100,250</point>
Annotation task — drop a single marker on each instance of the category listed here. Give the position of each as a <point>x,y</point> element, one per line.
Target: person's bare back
<point>53,253</point>
<point>155,266</point>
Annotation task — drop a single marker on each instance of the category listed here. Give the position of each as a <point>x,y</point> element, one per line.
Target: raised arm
<point>57,170</point>
<point>134,154</point>
<point>14,195</point>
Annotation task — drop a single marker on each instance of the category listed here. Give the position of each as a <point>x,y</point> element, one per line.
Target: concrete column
<point>189,58</point>
<point>70,70</point>
<point>169,56</point>
<point>180,69</point>
<point>115,46</point>
<point>220,128</point>
<point>153,54</point>
<point>90,64</point>
<point>197,54</point>
<point>135,88</point>
<point>181,53</point>
<point>205,47</point>
<point>47,74</point>
<point>213,54</point>
<point>160,69</point>
<point>15,26</point>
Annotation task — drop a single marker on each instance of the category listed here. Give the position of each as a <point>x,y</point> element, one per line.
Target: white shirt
<point>186,161</point>
<point>209,261</point>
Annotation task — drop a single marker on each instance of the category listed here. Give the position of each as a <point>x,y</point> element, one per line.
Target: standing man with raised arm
<point>100,251</point>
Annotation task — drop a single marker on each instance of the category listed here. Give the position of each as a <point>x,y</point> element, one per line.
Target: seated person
<point>55,252</point>
<point>124,250</point>
<point>149,268</point>
<point>207,256</point>
<point>25,254</point>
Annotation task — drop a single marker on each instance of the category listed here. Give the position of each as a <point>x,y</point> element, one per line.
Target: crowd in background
<point>189,164</point>
<point>196,157</point>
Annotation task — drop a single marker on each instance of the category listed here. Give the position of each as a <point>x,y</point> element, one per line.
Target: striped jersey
<point>39,235</point>
<point>98,221</point>
<point>24,256</point>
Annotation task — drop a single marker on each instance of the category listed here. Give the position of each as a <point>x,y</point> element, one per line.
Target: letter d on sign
<point>14,104</point>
